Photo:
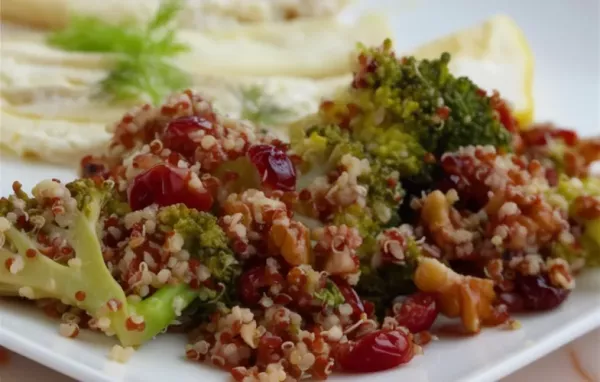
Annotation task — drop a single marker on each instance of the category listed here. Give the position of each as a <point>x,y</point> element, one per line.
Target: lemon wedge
<point>496,56</point>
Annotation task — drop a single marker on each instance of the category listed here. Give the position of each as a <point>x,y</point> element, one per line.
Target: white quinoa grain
<point>120,354</point>
<point>508,209</point>
<point>203,273</point>
<point>103,323</point>
<point>174,243</point>
<point>114,232</point>
<point>345,309</point>
<point>196,183</point>
<point>68,329</point>
<point>163,276</point>
<point>335,333</point>
<point>208,142</point>
<point>496,240</point>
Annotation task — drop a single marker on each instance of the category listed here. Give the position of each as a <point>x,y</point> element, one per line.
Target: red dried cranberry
<point>275,168</point>
<point>538,136</point>
<point>177,134</point>
<point>538,294</point>
<point>377,351</point>
<point>165,185</point>
<point>350,296</point>
<point>418,312</point>
<point>252,284</point>
<point>369,308</point>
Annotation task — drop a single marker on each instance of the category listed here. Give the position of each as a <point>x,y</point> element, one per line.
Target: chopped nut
<point>469,298</point>
<point>293,241</point>
<point>248,334</point>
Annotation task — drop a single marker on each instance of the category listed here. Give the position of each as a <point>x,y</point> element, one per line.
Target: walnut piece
<point>469,298</point>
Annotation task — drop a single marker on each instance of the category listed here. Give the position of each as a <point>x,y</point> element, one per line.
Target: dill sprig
<point>260,109</point>
<point>143,69</point>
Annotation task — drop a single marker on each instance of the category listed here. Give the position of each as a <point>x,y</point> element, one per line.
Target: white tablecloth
<point>575,362</point>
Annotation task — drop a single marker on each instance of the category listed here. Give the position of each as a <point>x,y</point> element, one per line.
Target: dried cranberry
<point>376,351</point>
<point>275,168</point>
<point>538,136</point>
<point>538,294</point>
<point>166,185</point>
<point>350,296</point>
<point>251,285</point>
<point>418,312</point>
<point>177,134</point>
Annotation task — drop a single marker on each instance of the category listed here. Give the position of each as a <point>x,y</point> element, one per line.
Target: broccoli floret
<point>74,214</point>
<point>330,295</point>
<point>356,216</point>
<point>381,281</point>
<point>574,190</point>
<point>423,99</point>
<point>382,285</point>
<point>323,149</point>
<point>399,115</point>
<point>203,239</point>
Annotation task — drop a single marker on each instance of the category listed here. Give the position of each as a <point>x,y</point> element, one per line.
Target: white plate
<point>566,43</point>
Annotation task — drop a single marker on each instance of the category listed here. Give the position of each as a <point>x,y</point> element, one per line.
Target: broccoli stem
<point>48,279</point>
<point>158,309</point>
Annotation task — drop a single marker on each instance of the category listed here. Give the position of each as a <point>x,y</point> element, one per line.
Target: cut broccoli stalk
<point>86,282</point>
<point>49,279</point>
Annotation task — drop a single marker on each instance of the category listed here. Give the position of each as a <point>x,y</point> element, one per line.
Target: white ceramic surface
<point>566,42</point>
<point>575,362</point>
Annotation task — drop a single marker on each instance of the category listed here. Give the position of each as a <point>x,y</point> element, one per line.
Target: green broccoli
<point>322,150</point>
<point>574,191</point>
<point>204,239</point>
<point>423,100</point>
<point>382,283</point>
<point>330,295</point>
<point>74,213</point>
<point>399,115</point>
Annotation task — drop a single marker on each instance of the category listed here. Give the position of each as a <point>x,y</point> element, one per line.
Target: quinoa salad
<point>411,195</point>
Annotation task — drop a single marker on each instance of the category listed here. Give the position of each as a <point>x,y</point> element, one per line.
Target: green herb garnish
<point>260,109</point>
<point>143,69</point>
